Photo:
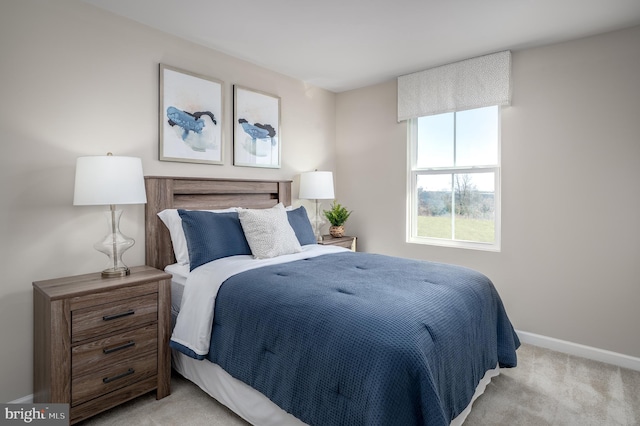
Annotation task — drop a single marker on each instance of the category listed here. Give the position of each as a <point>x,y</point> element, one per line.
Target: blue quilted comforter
<point>362,339</point>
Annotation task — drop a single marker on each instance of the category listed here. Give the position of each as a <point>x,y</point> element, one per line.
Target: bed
<point>319,335</point>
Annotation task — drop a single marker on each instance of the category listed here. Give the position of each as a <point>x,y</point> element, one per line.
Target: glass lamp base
<point>114,244</point>
<point>118,272</point>
<point>318,223</point>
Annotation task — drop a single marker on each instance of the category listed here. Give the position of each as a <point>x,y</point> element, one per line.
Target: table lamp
<point>316,186</point>
<point>110,180</point>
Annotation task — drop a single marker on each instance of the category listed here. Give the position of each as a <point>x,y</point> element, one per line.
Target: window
<point>454,179</point>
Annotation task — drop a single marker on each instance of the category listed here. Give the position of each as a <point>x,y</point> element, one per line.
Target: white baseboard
<point>577,349</point>
<point>24,400</point>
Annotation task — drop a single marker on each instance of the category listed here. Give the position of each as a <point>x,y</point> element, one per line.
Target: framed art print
<point>190,117</point>
<point>256,128</point>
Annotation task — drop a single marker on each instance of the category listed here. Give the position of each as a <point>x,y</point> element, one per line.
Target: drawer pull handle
<point>119,376</point>
<point>118,348</point>
<point>120,315</point>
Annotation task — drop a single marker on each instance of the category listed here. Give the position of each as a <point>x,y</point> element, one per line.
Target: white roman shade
<point>472,83</point>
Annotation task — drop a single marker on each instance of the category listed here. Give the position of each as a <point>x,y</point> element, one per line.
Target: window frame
<point>412,192</point>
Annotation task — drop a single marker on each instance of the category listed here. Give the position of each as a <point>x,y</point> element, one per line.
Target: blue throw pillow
<point>299,221</point>
<point>212,236</point>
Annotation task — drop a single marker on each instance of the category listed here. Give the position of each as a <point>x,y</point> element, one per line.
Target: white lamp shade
<point>316,186</point>
<point>109,179</point>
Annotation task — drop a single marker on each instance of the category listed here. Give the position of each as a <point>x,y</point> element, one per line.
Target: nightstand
<point>99,342</point>
<point>346,242</point>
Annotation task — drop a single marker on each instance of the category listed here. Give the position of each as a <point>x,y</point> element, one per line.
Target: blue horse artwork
<point>192,127</point>
<point>257,131</point>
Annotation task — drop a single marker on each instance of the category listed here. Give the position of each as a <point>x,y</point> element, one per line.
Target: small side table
<point>346,242</point>
<point>99,342</point>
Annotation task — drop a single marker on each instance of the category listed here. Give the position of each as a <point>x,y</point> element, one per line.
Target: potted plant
<point>337,216</point>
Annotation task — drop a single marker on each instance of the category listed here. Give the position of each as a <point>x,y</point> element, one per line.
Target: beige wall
<point>570,261</point>
<point>75,80</point>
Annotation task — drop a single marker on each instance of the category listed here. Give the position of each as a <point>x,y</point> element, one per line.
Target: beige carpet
<point>547,388</point>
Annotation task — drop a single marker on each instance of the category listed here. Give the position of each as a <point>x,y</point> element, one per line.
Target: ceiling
<point>346,44</point>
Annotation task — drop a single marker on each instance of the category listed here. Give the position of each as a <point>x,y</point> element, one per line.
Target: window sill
<point>494,247</point>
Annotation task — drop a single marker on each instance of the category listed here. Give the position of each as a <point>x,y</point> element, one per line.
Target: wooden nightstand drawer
<point>112,377</point>
<point>113,349</point>
<point>111,317</point>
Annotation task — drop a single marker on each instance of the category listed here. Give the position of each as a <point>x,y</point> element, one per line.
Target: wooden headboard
<point>164,192</point>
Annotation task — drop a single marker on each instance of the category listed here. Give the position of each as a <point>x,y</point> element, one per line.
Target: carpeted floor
<point>552,388</point>
<point>547,388</point>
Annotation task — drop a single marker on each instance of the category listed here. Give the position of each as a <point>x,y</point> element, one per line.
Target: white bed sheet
<point>242,399</point>
<point>179,275</point>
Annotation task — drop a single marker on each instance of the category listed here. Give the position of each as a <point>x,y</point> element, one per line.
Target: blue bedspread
<point>362,339</point>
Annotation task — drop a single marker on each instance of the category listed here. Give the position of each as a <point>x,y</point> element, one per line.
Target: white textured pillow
<point>268,232</point>
<point>173,222</point>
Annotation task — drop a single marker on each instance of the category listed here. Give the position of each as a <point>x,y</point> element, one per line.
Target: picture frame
<point>256,128</point>
<point>191,117</point>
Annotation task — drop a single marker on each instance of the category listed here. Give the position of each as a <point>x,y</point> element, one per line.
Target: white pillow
<point>173,222</point>
<point>268,232</point>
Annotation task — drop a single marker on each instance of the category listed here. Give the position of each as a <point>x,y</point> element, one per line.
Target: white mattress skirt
<point>241,398</point>
<point>252,405</point>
